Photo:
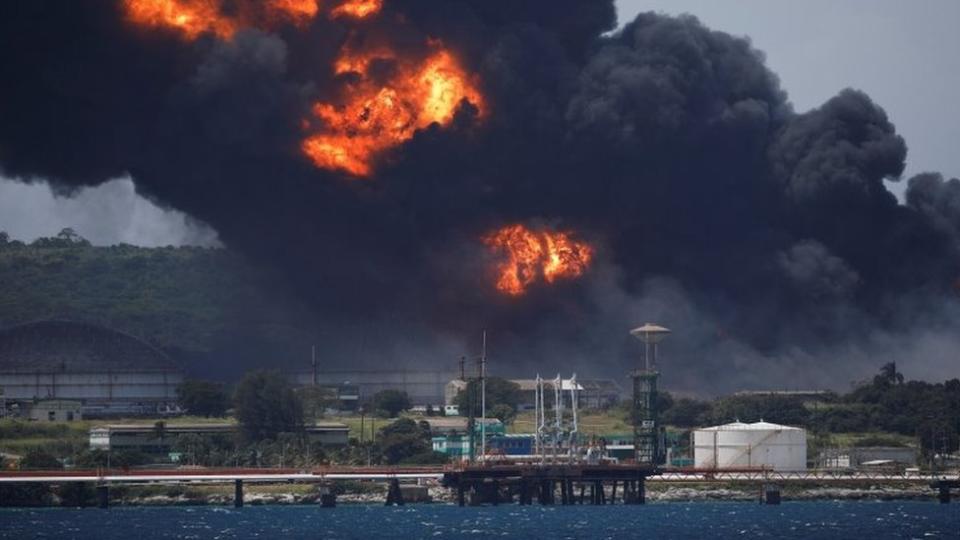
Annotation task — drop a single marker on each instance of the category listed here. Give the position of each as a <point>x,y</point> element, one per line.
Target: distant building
<point>55,410</point>
<point>443,425</point>
<point>422,387</point>
<point>786,393</point>
<point>108,372</point>
<point>867,457</point>
<point>591,393</point>
<point>151,439</point>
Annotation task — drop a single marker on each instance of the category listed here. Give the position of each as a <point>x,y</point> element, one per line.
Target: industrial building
<point>868,457</point>
<point>108,372</point>
<point>422,387</point>
<point>55,410</point>
<point>150,438</point>
<point>757,445</point>
<point>591,393</point>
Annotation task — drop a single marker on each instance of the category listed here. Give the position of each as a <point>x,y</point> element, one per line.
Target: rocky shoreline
<point>439,495</point>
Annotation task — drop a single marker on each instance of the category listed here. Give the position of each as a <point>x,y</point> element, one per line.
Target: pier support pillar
<point>583,488</point>
<point>642,491</point>
<point>495,493</point>
<point>613,493</point>
<point>522,486</point>
<point>547,488</point>
<point>238,493</point>
<point>394,495</point>
<point>461,497</point>
<point>328,499</point>
<point>103,496</point>
<point>771,495</point>
<point>944,494</point>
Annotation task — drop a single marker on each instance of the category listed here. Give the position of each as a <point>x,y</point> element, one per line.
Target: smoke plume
<point>764,238</point>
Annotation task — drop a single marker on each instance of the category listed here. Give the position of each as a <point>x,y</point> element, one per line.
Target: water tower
<point>647,434</point>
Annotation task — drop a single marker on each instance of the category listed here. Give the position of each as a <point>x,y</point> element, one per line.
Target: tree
<point>402,440</point>
<point>502,412</point>
<point>203,398</point>
<point>392,402</point>
<point>686,412</point>
<point>38,458</point>
<point>266,406</point>
<point>499,392</point>
<point>888,376</point>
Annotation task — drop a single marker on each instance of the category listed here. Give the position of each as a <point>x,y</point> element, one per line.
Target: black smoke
<point>765,237</point>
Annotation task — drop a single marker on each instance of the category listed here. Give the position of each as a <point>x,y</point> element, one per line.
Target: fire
<point>190,17</point>
<point>379,116</point>
<point>296,11</point>
<point>222,18</point>
<point>528,256</point>
<point>357,9</point>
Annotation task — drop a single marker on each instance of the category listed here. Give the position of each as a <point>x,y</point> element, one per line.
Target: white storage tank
<point>756,445</point>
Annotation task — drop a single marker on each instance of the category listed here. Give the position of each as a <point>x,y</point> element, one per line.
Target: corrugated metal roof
<point>74,347</point>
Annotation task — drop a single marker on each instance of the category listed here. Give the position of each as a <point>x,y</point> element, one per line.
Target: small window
<point>69,416</point>
<point>52,416</point>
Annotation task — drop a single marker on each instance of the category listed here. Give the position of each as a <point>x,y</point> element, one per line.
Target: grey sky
<point>904,53</point>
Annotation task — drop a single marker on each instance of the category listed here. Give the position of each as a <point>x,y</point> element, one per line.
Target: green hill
<point>183,299</point>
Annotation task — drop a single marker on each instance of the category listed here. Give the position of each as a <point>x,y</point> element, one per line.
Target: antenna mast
<point>483,397</point>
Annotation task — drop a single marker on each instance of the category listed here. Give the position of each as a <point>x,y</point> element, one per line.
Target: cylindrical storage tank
<point>756,445</point>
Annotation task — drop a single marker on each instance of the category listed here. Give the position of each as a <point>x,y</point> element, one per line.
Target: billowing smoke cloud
<point>764,237</point>
<point>108,214</point>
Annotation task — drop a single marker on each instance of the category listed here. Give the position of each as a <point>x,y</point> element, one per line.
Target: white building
<point>757,445</point>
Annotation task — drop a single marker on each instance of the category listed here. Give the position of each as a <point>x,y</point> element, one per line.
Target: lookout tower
<point>647,434</point>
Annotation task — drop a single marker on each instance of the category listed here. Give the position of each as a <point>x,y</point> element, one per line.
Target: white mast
<point>574,403</point>
<point>558,409</point>
<point>483,397</point>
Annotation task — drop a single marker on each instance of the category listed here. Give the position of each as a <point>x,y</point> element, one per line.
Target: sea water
<point>869,520</point>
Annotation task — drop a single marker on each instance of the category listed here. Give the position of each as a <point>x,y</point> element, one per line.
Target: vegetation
<point>390,403</point>
<point>503,396</point>
<point>203,398</point>
<point>266,406</point>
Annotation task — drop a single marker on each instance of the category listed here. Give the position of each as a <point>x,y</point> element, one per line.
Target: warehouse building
<point>108,372</point>
<point>422,387</point>
<point>866,457</point>
<point>591,393</point>
<point>150,438</point>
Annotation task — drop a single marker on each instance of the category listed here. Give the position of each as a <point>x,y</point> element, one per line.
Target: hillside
<point>192,302</point>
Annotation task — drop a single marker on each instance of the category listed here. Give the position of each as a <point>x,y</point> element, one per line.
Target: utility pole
<point>483,396</point>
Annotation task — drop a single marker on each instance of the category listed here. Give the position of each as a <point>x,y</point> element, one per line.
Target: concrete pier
<point>238,493</point>
<point>103,496</point>
<point>394,495</point>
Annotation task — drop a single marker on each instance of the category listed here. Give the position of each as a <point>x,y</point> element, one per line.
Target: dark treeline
<point>886,404</point>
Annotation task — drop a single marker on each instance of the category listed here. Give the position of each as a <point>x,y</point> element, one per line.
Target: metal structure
<point>109,372</point>
<point>496,483</point>
<point>647,434</point>
<point>564,432</point>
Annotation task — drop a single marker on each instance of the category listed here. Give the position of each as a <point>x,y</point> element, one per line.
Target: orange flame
<point>531,255</point>
<point>193,18</point>
<point>190,17</point>
<point>357,9</point>
<point>377,117</point>
<point>296,11</point>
